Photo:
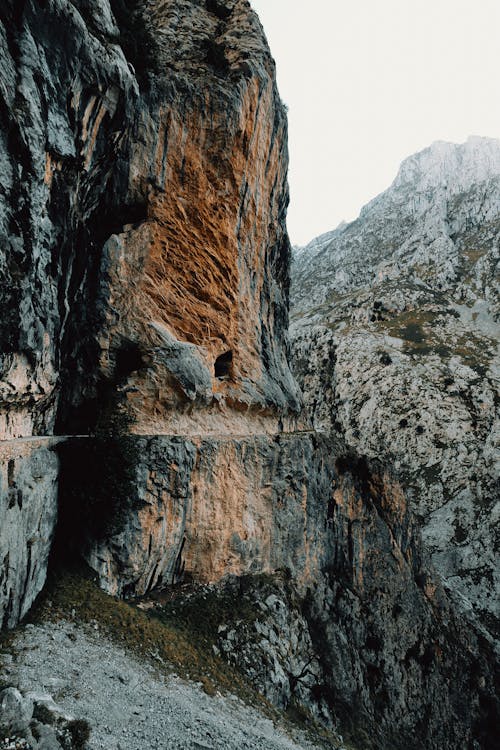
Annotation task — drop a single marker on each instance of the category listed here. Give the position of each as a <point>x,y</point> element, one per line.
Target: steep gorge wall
<point>144,266</point>
<point>395,343</point>
<point>362,615</point>
<point>28,512</point>
<point>143,207</point>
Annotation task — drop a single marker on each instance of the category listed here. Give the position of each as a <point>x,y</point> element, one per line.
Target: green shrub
<point>79,731</point>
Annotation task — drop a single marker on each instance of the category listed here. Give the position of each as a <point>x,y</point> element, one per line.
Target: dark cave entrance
<point>128,359</point>
<point>223,365</point>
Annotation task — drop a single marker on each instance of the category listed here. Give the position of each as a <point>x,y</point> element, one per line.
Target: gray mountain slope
<point>395,330</point>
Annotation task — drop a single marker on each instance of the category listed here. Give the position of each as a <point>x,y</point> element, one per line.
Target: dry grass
<point>474,255</point>
<point>176,638</point>
<point>73,595</point>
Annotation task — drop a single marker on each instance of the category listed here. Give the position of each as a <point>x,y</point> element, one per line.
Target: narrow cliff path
<point>128,703</point>
<point>55,439</point>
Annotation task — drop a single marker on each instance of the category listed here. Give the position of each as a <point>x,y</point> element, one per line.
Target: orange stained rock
<point>230,522</point>
<point>212,219</point>
<point>430,589</point>
<point>92,120</point>
<point>51,165</point>
<point>392,497</point>
<point>48,170</point>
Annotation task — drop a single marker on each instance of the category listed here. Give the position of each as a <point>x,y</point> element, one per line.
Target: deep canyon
<point>155,423</point>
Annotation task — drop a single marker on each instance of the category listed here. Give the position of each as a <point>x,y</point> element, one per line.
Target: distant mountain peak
<point>455,165</point>
<point>395,330</point>
<point>444,202</point>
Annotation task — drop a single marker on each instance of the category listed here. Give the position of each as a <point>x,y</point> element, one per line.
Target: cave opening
<point>223,365</point>
<point>128,359</point>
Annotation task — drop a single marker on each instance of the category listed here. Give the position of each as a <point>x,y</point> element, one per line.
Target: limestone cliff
<point>396,331</point>
<point>144,253</point>
<point>145,395</point>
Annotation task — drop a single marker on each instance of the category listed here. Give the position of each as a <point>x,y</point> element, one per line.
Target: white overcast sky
<point>369,82</point>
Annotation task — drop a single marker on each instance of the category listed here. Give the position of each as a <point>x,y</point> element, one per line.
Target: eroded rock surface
<point>395,333</point>
<point>144,256</point>
<point>31,720</point>
<point>28,512</point>
<point>204,508</point>
<point>144,266</point>
<point>355,629</point>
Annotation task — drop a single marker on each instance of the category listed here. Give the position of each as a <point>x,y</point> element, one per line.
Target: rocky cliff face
<point>395,327</point>
<point>353,625</point>
<point>144,266</point>
<point>28,513</point>
<point>146,396</point>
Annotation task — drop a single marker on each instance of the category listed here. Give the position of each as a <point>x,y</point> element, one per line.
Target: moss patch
<point>175,634</point>
<point>72,595</point>
<point>199,610</point>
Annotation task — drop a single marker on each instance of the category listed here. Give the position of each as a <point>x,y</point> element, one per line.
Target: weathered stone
<point>142,217</point>
<point>33,720</point>
<point>356,628</point>
<point>47,738</point>
<point>15,711</point>
<point>144,270</point>
<point>205,507</point>
<point>28,513</point>
<point>396,333</point>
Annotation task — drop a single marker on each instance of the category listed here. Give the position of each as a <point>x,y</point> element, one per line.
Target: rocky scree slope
<point>144,289</point>
<point>143,708</point>
<point>395,327</point>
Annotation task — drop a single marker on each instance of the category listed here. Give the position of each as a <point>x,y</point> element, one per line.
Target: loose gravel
<point>129,704</point>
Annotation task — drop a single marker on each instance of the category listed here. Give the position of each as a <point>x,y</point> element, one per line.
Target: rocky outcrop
<point>395,329</point>
<point>196,508</point>
<point>354,629</point>
<point>33,721</point>
<point>48,199</point>
<point>28,512</point>
<point>194,293</point>
<point>143,335</point>
<point>144,257</point>
<point>352,619</point>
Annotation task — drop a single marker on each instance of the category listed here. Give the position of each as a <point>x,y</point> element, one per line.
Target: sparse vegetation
<point>79,734</point>
<point>170,643</point>
<point>424,333</point>
<point>474,255</point>
<point>176,635</point>
<point>43,714</point>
